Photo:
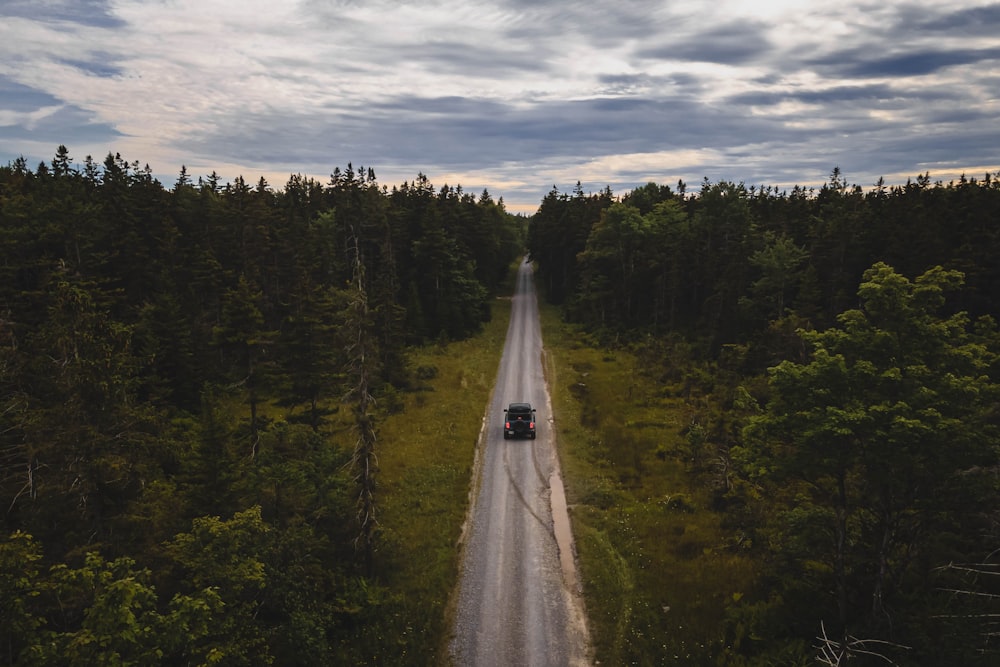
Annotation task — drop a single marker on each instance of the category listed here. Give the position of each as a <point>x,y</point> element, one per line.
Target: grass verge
<point>657,565</point>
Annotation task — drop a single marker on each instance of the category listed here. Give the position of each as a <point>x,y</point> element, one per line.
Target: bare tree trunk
<point>364,462</point>
<point>840,558</point>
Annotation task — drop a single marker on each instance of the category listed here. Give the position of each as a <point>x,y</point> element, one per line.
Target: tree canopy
<point>155,511</point>
<point>842,414</point>
<point>881,443</point>
<point>836,349</point>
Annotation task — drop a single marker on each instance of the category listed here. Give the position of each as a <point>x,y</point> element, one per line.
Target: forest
<point>837,351</point>
<point>153,510</point>
<point>841,341</point>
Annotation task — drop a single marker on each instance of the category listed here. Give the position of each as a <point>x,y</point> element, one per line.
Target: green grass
<point>657,567</point>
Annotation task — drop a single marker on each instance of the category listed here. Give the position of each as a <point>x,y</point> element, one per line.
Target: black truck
<point>519,421</point>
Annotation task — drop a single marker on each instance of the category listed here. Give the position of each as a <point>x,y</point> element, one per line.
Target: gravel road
<point>518,602</point>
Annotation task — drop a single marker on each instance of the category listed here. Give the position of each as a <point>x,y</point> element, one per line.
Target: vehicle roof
<point>519,407</point>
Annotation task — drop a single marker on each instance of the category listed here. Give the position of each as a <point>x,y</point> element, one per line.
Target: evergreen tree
<point>244,346</point>
<point>312,350</point>
<point>89,442</point>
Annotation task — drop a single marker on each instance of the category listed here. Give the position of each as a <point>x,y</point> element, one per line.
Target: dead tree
<point>984,615</point>
<point>834,652</point>
<point>361,359</point>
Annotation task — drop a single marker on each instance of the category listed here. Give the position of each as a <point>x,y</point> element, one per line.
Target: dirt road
<point>518,603</point>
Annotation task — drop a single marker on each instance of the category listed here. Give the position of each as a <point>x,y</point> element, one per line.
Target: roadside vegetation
<point>778,419</point>
<point>658,563</point>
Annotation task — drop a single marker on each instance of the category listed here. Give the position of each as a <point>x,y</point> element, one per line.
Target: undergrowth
<point>658,567</point>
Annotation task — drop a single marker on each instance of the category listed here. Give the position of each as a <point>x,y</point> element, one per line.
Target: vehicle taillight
<point>531,425</point>
<point>506,425</point>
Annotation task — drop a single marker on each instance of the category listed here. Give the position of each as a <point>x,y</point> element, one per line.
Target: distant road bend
<point>518,598</point>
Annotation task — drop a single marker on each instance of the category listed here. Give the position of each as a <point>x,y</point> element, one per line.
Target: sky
<point>516,97</point>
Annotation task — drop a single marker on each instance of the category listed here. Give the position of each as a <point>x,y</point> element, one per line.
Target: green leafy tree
<point>453,301</point>
<point>722,227</point>
<point>668,258</point>
<point>164,346</point>
<point>107,613</point>
<point>647,197</point>
<point>609,264</point>
<point>228,557</point>
<point>558,233</point>
<point>838,240</point>
<point>876,439</point>
<point>632,269</point>
<point>19,577</point>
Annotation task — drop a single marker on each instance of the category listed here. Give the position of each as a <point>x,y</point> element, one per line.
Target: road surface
<point>518,601</point>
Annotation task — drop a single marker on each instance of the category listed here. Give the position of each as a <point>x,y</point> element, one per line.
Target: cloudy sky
<point>515,96</point>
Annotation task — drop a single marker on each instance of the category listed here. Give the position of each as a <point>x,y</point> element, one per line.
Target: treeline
<point>154,512</point>
<point>839,354</point>
<point>726,262</point>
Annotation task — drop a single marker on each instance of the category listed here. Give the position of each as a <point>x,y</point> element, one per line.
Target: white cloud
<point>513,96</point>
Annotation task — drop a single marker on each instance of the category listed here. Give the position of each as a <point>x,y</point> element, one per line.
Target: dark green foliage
<point>860,473</point>
<point>158,512</point>
<point>313,350</point>
<point>557,233</point>
<point>882,441</point>
<point>19,556</point>
<point>161,510</point>
<point>723,265</point>
<point>87,444</point>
